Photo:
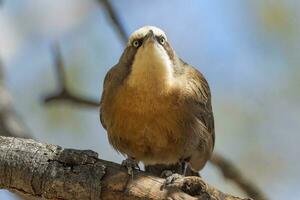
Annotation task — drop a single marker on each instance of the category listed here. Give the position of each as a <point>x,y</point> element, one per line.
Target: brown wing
<point>202,101</point>
<point>113,79</point>
<point>200,105</point>
<point>106,86</point>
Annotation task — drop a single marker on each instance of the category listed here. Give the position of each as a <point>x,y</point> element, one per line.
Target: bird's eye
<point>136,43</point>
<point>162,40</point>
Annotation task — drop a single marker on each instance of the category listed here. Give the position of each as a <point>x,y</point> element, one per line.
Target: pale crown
<point>142,32</point>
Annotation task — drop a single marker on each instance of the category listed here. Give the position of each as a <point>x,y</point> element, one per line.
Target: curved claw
<point>131,165</point>
<point>170,178</point>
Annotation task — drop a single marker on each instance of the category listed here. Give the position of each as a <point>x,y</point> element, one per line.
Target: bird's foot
<point>170,177</point>
<point>130,165</point>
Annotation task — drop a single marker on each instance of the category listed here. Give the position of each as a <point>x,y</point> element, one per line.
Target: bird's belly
<point>150,130</point>
<point>146,140</point>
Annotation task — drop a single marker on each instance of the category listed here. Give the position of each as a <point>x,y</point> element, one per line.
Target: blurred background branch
<point>115,19</point>
<point>63,93</point>
<point>10,122</point>
<point>231,172</point>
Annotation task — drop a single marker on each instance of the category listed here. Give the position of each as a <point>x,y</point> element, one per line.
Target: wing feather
<point>201,101</point>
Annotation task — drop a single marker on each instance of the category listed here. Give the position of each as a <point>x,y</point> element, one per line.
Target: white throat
<point>152,69</point>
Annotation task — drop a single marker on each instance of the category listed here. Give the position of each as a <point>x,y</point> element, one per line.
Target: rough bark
<point>51,172</point>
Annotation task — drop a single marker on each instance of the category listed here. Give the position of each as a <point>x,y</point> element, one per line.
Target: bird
<point>155,107</point>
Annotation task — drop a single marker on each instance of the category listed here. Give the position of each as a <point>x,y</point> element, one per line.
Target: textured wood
<point>51,172</point>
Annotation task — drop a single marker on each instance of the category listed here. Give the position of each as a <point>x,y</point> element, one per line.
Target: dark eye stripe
<point>169,50</point>
<point>140,42</point>
<point>158,37</point>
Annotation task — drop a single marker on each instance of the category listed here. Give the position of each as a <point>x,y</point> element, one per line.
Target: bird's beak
<point>150,38</point>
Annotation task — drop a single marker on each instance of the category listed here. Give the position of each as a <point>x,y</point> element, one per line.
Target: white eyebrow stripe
<point>141,32</point>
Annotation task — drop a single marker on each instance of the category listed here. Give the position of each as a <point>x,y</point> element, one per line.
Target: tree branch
<point>51,172</point>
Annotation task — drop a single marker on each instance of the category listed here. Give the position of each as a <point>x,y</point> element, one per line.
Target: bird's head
<point>149,56</point>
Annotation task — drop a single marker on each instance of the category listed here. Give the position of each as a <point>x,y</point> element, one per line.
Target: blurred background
<point>248,51</point>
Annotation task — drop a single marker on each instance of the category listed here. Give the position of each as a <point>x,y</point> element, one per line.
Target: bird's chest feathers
<point>144,100</point>
<point>145,121</point>
<point>149,90</point>
<point>151,72</point>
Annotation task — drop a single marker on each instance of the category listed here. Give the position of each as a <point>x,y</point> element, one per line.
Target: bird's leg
<point>131,164</point>
<point>185,166</point>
